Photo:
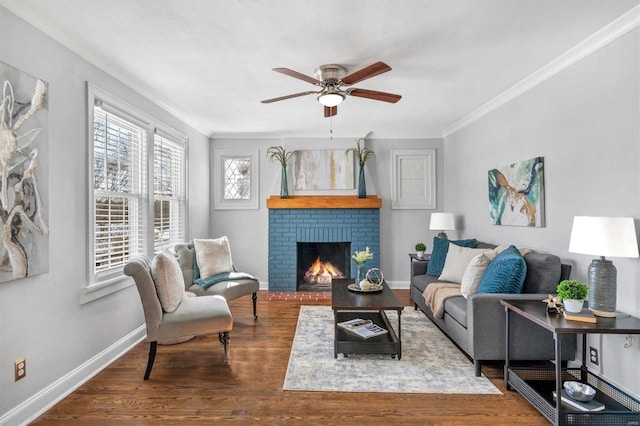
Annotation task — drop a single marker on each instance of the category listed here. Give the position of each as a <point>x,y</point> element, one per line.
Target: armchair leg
<point>224,338</point>
<point>152,357</point>
<point>254,297</point>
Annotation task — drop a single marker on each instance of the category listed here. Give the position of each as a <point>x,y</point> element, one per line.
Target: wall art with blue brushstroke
<point>516,194</point>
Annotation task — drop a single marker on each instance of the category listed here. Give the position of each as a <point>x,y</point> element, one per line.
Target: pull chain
<point>331,128</point>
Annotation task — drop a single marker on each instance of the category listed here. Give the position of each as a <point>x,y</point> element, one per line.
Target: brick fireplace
<point>319,219</point>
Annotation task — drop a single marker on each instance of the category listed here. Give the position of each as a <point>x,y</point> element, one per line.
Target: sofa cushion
<point>456,262</point>
<point>456,308</point>
<point>167,277</point>
<point>474,273</point>
<point>439,253</point>
<point>505,273</point>
<point>213,257</point>
<point>543,273</point>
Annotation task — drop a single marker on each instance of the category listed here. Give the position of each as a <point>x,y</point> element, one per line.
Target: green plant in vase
<point>282,156</point>
<point>362,153</point>
<point>573,293</point>
<point>420,248</point>
<point>361,258</point>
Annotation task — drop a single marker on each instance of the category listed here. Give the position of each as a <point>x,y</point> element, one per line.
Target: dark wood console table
<point>538,384</point>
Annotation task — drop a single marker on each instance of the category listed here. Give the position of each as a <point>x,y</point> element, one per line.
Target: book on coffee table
<point>363,328</point>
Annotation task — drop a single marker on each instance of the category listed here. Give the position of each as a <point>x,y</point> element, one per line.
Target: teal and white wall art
<point>516,194</point>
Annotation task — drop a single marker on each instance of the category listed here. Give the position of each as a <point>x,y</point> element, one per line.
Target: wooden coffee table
<point>347,304</point>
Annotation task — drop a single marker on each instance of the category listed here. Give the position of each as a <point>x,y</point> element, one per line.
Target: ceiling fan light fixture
<point>330,99</point>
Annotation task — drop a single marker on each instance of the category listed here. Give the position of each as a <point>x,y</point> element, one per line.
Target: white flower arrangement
<point>362,256</point>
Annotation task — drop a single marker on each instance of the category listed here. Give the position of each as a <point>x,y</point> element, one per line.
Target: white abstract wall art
<point>24,248</point>
<point>324,169</point>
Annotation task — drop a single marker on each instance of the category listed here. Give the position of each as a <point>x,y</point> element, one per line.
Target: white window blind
<point>169,192</point>
<point>120,188</point>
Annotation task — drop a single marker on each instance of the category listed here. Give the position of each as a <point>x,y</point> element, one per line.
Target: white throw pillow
<point>474,272</point>
<point>213,256</point>
<point>456,262</point>
<point>168,279</point>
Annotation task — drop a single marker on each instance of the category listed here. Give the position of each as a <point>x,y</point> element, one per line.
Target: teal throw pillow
<point>439,253</point>
<point>505,273</point>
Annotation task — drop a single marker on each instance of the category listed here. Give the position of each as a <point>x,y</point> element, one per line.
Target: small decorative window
<point>235,179</point>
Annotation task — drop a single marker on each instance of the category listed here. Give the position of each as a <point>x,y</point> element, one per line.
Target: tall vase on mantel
<point>284,186</point>
<point>282,156</point>
<point>362,184</point>
<point>361,154</point>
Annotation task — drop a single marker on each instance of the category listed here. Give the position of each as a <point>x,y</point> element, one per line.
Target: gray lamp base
<point>602,288</point>
<point>442,235</point>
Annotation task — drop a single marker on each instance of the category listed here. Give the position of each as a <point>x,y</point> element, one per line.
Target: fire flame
<point>322,272</point>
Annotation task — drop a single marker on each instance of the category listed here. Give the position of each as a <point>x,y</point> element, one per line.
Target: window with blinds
<point>120,189</point>
<point>169,188</point>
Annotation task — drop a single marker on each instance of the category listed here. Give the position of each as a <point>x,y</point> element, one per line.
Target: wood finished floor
<point>190,383</point>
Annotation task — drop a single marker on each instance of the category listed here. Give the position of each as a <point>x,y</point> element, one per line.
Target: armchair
<point>191,316</point>
<point>230,289</point>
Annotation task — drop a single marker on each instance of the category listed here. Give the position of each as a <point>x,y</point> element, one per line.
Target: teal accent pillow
<point>439,253</point>
<point>505,273</point>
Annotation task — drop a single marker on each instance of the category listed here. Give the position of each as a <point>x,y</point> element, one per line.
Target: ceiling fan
<point>332,80</point>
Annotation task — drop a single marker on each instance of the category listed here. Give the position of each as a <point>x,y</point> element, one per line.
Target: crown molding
<point>591,44</point>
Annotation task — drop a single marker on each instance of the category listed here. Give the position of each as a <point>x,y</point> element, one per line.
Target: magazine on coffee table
<point>363,328</point>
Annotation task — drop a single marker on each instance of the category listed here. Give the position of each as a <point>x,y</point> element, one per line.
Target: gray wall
<point>400,229</point>
<point>41,317</point>
<point>584,121</point>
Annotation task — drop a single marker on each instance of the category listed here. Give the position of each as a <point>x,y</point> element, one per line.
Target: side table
<point>538,384</point>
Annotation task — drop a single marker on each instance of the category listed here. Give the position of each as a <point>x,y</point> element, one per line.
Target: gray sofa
<point>477,324</point>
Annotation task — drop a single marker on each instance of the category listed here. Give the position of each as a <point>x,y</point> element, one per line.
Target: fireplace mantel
<point>324,202</point>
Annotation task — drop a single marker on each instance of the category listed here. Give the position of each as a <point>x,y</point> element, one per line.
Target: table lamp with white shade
<point>442,222</point>
<point>603,236</point>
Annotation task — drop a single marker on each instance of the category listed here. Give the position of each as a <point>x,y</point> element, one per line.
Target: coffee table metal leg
<point>399,334</point>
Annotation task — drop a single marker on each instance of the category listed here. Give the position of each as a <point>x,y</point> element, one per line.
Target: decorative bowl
<point>579,391</point>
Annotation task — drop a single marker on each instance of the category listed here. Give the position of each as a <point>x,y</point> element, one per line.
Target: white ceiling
<point>209,61</point>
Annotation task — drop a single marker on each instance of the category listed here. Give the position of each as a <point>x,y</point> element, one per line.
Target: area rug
<point>430,363</point>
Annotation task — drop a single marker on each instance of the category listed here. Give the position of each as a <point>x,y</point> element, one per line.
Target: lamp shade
<point>604,236</point>
<point>330,99</point>
<point>442,222</point>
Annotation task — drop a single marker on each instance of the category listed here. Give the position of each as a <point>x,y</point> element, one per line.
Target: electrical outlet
<point>20,367</point>
<point>593,355</point>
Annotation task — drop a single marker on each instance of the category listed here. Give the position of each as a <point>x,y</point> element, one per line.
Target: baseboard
<point>39,403</point>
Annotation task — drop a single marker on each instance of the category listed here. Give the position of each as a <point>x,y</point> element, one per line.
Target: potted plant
<point>282,156</point>
<point>573,294</point>
<point>362,154</point>
<point>420,248</point>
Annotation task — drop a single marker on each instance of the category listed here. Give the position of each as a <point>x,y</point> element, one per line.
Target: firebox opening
<point>320,263</point>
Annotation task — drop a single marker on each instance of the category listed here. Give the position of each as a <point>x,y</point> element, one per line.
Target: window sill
<point>104,288</point>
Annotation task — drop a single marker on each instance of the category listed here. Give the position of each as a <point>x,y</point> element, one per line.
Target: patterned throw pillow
<point>505,273</point>
<point>439,253</point>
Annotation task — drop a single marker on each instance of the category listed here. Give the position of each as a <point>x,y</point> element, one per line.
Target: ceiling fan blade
<point>282,98</point>
<point>330,111</point>
<point>296,74</point>
<point>375,95</point>
<point>364,73</point>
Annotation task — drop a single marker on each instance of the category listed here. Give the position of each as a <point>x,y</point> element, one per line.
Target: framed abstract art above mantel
<point>324,169</point>
<point>24,245</point>
<point>516,194</point>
